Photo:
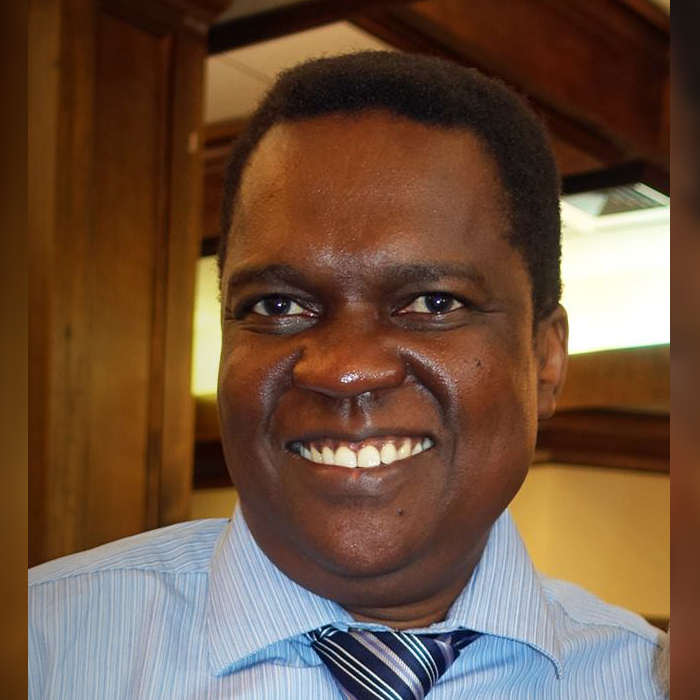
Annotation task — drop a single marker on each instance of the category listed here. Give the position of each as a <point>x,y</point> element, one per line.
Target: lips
<point>364,454</point>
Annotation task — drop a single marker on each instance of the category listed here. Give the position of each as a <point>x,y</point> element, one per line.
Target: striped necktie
<point>387,665</point>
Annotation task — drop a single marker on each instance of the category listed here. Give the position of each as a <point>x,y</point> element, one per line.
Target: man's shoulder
<point>580,610</point>
<point>176,549</point>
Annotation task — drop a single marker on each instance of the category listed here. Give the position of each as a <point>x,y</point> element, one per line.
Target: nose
<point>347,364</point>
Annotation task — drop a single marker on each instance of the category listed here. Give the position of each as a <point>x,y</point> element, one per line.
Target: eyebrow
<point>264,273</point>
<point>397,275</point>
<point>401,275</point>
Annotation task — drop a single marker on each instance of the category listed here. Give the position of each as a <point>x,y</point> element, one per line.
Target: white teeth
<point>404,449</point>
<point>345,457</point>
<point>368,457</point>
<point>388,453</point>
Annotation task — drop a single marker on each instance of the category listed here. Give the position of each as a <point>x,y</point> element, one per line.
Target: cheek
<point>496,423</point>
<point>480,375</point>
<point>252,376</point>
<point>252,371</point>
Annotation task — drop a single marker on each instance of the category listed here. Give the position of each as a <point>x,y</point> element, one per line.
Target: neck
<point>416,615</point>
<point>431,605</point>
<point>414,595</point>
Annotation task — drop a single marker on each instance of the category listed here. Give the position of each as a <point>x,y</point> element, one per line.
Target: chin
<point>365,546</point>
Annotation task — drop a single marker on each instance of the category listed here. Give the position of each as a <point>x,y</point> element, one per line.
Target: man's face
<point>372,304</point>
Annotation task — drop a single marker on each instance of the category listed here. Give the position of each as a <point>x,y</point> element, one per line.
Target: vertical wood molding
<point>184,213</point>
<point>60,175</point>
<point>43,25</point>
<point>115,197</point>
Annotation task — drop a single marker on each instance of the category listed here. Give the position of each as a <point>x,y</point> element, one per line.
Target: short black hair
<point>438,93</point>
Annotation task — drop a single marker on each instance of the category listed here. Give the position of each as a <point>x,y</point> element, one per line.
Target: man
<point>391,335</point>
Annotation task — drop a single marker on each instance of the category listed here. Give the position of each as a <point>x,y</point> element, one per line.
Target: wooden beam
<point>577,147</point>
<point>651,12</point>
<point>283,20</point>
<point>597,70</point>
<point>627,379</point>
<point>624,174</point>
<point>606,438</point>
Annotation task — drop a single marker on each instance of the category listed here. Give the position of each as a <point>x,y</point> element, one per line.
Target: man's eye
<point>279,306</point>
<point>432,303</point>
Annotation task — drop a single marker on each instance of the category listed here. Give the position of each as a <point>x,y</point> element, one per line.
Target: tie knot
<point>387,665</point>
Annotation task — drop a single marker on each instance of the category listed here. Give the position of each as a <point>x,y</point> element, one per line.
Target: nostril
<point>344,375</point>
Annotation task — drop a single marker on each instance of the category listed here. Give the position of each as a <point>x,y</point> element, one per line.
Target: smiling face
<point>374,313</point>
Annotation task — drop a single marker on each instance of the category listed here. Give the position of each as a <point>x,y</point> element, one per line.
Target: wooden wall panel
<point>183,245</point>
<point>60,204</point>
<point>128,232</point>
<point>636,379</point>
<point>114,246</point>
<point>43,100</point>
<point>637,440</point>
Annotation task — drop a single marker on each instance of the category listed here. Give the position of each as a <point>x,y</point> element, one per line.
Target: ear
<point>552,356</point>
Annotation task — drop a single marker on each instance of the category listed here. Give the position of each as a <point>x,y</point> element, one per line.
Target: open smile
<point>364,454</point>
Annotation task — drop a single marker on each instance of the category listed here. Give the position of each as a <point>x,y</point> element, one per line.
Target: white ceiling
<point>237,80</point>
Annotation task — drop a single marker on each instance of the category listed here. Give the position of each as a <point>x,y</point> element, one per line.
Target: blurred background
<point>133,109</point>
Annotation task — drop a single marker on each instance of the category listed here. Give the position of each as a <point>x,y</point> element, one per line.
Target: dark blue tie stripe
<point>463,638</point>
<point>361,683</point>
<point>365,669</point>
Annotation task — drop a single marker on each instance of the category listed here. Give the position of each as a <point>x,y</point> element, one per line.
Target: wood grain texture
<point>114,244</point>
<point>636,378</point>
<point>596,70</point>
<point>595,60</point>
<point>44,21</point>
<point>59,235</point>
<point>125,275</point>
<point>183,245</point>
<point>606,438</point>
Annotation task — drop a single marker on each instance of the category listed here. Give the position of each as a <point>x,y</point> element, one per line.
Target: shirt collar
<point>252,605</point>
<point>505,597</point>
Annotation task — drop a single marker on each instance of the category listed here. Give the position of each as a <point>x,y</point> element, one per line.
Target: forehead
<point>357,153</point>
<point>370,184</point>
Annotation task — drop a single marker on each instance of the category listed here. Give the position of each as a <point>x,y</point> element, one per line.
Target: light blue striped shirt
<point>196,611</point>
